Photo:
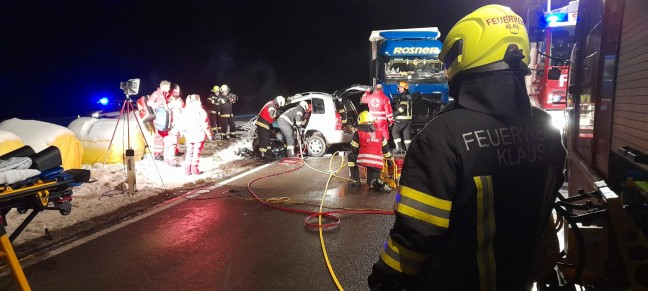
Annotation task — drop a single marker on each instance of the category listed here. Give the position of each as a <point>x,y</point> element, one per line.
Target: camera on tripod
<point>130,87</point>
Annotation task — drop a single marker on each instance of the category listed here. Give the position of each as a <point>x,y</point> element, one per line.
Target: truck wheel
<point>316,145</point>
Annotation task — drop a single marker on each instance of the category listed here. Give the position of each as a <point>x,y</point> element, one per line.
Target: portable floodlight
<point>130,87</point>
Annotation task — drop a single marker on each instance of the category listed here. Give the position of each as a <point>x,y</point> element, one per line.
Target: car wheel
<point>316,145</point>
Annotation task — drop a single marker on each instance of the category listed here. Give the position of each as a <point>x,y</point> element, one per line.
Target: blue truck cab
<point>412,56</point>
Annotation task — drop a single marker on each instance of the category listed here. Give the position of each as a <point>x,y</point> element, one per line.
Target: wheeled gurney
<point>51,189</point>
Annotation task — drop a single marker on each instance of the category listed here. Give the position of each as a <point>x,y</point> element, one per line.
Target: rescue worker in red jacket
<point>159,99</point>
<point>478,181</point>
<point>380,108</point>
<point>267,116</point>
<point>368,148</point>
<point>292,119</point>
<point>403,118</point>
<point>225,115</point>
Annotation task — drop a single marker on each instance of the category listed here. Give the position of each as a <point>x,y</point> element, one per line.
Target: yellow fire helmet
<point>215,89</point>
<point>404,85</point>
<point>479,41</point>
<point>365,118</point>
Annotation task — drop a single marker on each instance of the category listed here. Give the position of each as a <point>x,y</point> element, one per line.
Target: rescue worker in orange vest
<point>159,99</point>
<point>479,181</point>
<point>368,148</point>
<point>403,118</point>
<point>267,116</point>
<point>380,108</point>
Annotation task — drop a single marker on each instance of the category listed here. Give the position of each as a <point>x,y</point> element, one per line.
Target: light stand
<point>130,88</point>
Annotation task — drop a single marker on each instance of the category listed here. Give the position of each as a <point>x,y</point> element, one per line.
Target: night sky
<point>60,57</point>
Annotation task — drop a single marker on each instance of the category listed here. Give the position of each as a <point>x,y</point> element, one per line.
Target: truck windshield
<point>418,70</point>
<point>562,42</point>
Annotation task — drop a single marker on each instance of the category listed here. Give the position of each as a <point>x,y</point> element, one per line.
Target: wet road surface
<point>220,239</point>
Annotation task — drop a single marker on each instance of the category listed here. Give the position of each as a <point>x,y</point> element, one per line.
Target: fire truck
<point>550,53</point>
<point>606,209</point>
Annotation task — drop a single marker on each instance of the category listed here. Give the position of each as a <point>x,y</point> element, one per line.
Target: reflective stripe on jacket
<point>370,146</point>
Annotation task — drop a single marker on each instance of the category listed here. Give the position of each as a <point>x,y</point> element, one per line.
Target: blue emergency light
<point>556,17</point>
<point>103,101</point>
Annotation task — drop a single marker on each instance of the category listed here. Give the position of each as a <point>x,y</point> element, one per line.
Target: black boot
<point>379,185</point>
<point>354,183</point>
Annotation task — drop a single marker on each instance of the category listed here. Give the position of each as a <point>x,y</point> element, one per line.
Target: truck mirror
<point>554,74</point>
<point>377,70</point>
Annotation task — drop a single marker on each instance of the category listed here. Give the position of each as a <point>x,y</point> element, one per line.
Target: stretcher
<point>49,190</point>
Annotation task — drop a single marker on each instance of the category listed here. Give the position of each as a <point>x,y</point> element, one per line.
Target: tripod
<point>126,110</point>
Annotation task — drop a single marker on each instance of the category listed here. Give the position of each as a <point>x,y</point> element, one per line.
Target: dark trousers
<point>224,122</point>
<point>264,139</point>
<point>372,173</point>
<point>401,134</point>
<point>213,121</point>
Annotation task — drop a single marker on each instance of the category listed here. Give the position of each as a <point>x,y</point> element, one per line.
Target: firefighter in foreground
<point>292,118</point>
<point>479,180</point>
<point>368,148</point>
<point>403,117</point>
<point>267,116</point>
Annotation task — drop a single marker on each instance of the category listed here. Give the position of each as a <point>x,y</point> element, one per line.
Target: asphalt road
<point>219,239</point>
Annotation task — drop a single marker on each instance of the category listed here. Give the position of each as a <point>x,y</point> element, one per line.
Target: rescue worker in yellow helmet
<point>368,148</point>
<point>403,119</point>
<point>478,181</point>
<point>212,109</point>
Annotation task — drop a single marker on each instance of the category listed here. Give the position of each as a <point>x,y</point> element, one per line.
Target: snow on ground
<point>109,193</point>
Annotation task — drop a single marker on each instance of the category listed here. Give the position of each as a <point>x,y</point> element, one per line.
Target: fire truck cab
<point>606,210</point>
<point>550,57</point>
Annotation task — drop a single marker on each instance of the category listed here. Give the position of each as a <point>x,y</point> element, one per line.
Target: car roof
<point>308,96</point>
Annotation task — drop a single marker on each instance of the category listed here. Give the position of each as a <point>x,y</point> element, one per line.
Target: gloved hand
<point>377,282</point>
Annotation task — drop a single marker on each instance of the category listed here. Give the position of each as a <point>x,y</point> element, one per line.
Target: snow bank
<point>108,193</point>
<point>40,135</point>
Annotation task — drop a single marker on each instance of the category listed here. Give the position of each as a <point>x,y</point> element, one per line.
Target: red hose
<point>311,214</point>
